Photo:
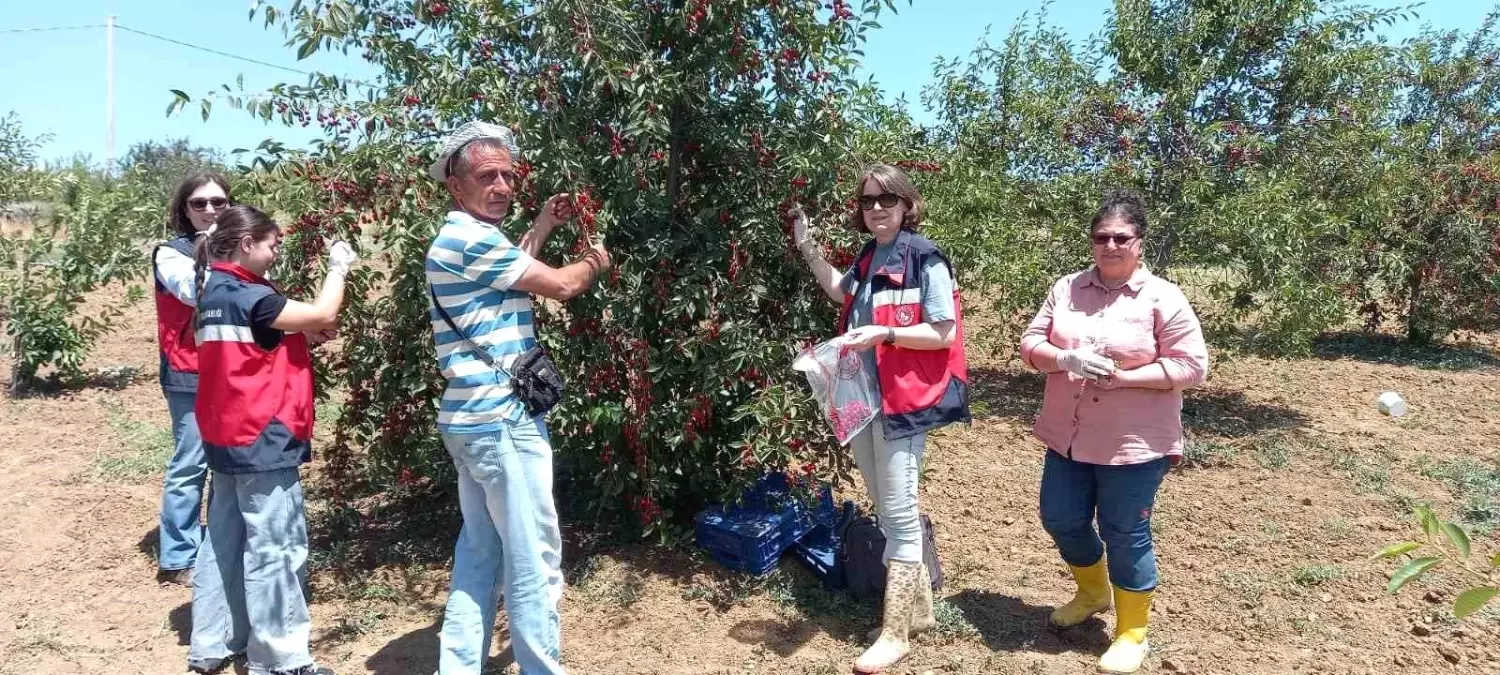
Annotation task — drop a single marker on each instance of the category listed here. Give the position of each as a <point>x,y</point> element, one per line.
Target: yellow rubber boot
<point>1132,613</point>
<point>1091,598</point>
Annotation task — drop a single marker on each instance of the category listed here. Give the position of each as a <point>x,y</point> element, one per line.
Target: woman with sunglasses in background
<point>1119,345</point>
<point>196,204</point>
<point>901,312</point>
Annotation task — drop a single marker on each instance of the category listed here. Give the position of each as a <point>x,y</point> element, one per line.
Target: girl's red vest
<point>255,407</point>
<point>174,328</point>
<point>920,389</point>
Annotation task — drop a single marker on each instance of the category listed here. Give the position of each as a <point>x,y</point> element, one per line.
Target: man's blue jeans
<point>182,491</point>
<point>248,589</point>
<point>511,540</point>
<point>1122,497</point>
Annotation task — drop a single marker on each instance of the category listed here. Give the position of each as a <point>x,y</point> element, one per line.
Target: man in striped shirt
<point>484,283</point>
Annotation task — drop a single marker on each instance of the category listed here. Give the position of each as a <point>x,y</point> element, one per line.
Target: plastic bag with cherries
<point>841,385</point>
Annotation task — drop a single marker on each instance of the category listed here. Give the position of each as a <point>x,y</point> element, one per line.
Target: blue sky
<point>55,80</point>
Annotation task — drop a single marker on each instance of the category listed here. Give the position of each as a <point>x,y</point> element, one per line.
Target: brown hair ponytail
<point>218,243</point>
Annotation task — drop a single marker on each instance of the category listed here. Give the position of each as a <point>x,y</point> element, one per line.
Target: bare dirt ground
<point>1294,480</point>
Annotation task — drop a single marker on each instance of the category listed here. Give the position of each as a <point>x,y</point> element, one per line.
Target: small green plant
<point>1475,483</point>
<point>1338,528</point>
<point>1447,545</point>
<point>1309,576</point>
<point>1368,476</point>
<point>952,624</point>
<point>1250,588</point>
<point>1274,453</point>
<point>1206,454</point>
<point>143,450</point>
<point>356,623</point>
<point>607,581</point>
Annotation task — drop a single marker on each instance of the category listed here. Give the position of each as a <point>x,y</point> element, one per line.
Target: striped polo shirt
<point>471,267</point>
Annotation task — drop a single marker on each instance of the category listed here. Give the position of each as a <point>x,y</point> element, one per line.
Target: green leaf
<point>307,48</point>
<point>181,99</point>
<point>1396,549</point>
<point>1473,600</point>
<point>1430,523</point>
<point>1495,561</point>
<point>1411,570</point>
<point>1459,537</point>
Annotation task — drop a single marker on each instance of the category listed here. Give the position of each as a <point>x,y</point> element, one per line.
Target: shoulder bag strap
<point>482,353</point>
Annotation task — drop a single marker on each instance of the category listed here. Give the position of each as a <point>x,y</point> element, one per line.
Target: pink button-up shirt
<point>1148,320</point>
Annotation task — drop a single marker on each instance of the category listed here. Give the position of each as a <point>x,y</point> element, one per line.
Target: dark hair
<point>895,181</point>
<point>220,241</point>
<point>177,211</point>
<point>458,162</point>
<point>1126,205</point>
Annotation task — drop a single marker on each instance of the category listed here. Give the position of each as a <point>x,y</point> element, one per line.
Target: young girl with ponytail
<point>255,412</point>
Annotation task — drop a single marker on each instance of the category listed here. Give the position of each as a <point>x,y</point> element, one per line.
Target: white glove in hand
<point>799,226</point>
<point>341,257</point>
<point>1085,363</point>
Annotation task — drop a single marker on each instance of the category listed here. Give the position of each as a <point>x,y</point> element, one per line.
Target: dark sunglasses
<point>1119,239</point>
<point>886,201</point>
<point>200,203</point>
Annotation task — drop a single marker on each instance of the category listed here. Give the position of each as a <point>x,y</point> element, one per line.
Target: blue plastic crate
<point>753,535</point>
<point>818,550</point>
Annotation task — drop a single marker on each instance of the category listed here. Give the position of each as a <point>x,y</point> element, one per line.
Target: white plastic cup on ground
<point>1391,404</point>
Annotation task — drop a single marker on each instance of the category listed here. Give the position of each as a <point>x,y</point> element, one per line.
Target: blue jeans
<point>249,587</point>
<point>511,540</point>
<point>182,492</point>
<point>891,470</point>
<point>1122,496</point>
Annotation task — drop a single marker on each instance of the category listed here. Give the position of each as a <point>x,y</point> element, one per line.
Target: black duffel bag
<point>861,545</point>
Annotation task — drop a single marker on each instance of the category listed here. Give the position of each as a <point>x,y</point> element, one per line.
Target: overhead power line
<point>211,51</point>
<point>50,28</point>
<point>162,38</point>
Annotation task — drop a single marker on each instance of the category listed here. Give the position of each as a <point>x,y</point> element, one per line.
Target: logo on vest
<point>213,313</point>
<point>905,316</point>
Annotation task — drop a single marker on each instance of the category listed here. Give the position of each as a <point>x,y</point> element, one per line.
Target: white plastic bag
<point>841,385</point>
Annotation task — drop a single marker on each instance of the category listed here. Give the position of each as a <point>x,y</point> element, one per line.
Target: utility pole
<point>109,94</point>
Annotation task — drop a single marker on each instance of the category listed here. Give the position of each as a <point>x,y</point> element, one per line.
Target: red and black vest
<point>174,327</point>
<point>255,407</point>
<point>920,389</point>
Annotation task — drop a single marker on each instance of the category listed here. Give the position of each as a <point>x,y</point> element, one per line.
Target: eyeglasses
<point>886,201</point>
<point>1119,239</point>
<point>201,203</point>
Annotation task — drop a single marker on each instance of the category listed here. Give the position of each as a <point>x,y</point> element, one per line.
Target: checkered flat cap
<point>465,135</point>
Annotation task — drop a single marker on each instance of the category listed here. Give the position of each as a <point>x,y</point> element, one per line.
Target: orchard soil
<point>1263,538</point>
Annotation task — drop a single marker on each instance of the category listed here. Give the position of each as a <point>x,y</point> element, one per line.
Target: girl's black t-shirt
<point>261,318</point>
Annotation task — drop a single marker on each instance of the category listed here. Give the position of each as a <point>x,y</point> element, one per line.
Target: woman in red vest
<point>255,411</point>
<point>196,204</point>
<point>901,311</point>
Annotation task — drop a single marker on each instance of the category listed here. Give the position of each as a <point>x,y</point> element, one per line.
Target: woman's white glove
<point>799,227</point>
<point>341,257</point>
<point>1085,363</point>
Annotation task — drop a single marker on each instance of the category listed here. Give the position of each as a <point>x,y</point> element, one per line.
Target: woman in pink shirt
<point>1118,345</point>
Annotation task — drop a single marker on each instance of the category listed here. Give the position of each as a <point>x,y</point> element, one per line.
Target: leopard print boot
<point>901,591</point>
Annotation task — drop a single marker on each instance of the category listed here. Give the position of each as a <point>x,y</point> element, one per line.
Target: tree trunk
<point>20,374</point>
<point>1418,327</point>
